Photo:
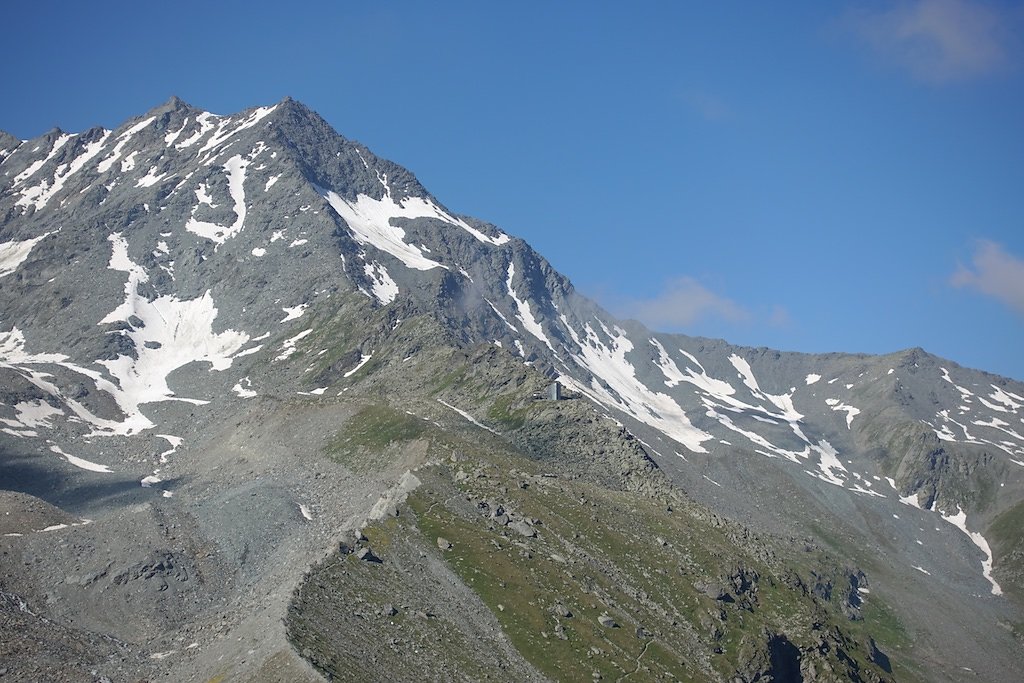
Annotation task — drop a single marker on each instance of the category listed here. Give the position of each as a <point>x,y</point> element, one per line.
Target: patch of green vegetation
<point>373,429</point>
<point>617,553</point>
<point>503,412</point>
<point>884,626</point>
<point>522,587</point>
<point>448,380</point>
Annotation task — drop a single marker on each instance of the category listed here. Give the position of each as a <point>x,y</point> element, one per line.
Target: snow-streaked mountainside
<point>154,274</point>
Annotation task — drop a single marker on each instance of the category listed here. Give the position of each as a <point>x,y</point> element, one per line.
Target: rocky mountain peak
<point>188,271</point>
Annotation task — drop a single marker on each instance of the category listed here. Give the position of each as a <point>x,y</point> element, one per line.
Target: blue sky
<point>806,176</point>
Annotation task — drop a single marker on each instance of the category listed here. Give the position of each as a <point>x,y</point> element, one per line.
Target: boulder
<point>521,527</point>
<point>366,555</point>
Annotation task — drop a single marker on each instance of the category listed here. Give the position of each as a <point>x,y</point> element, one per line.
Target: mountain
<point>232,345</point>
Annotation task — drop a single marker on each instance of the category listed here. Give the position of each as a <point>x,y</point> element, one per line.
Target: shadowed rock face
<point>192,305</point>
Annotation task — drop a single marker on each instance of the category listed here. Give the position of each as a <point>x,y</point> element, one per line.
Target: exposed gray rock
<point>366,555</point>
<point>521,527</point>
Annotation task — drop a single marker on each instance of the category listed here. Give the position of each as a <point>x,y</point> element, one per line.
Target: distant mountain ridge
<point>156,277</point>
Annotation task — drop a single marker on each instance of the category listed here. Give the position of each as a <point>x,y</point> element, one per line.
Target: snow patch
<point>235,169</point>
<point>15,252</point>
<point>363,360</point>
<point>122,140</point>
<point>246,391</point>
<point>151,178</point>
<point>619,387</point>
<point>469,417</point>
<point>384,288</point>
<point>40,195</point>
<point>79,462</point>
<point>288,347</point>
<point>525,314</point>
<point>839,406</point>
<point>811,379</point>
<point>293,312</point>
<point>959,520</point>
<point>179,333</point>
<point>369,220</point>
<point>33,414</point>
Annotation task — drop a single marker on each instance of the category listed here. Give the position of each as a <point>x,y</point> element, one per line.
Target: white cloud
<point>682,302</point>
<point>995,273</point>
<point>938,41</point>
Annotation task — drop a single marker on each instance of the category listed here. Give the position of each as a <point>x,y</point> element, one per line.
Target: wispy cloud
<point>995,273</point>
<point>706,105</point>
<point>938,41</point>
<point>682,302</point>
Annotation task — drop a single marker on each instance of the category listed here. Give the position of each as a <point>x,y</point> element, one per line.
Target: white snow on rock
<point>246,391</point>
<point>151,178</point>
<point>174,442</point>
<point>1007,398</point>
<point>205,121</point>
<point>525,314</point>
<point>179,333</point>
<point>39,163</point>
<point>31,414</point>
<point>500,315</point>
<point>15,252</point>
<point>80,462</point>
<point>385,289</point>
<point>270,183</point>
<point>839,406</point>
<point>369,220</point>
<point>719,398</point>
<point>235,169</point>
<point>259,252</point>
<point>615,384</point>
<point>811,379</point>
<point>203,195</point>
<point>304,510</point>
<point>288,347</point>
<point>1003,426</point>
<point>227,128</point>
<point>966,394</point>
<point>746,374</point>
<point>119,146</point>
<point>469,417</point>
<point>373,216</point>
<point>363,360</point>
<point>172,136</point>
<point>40,194</point>
<point>293,312</point>
<point>959,520</point>
<point>15,356</point>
